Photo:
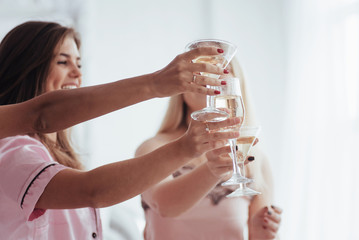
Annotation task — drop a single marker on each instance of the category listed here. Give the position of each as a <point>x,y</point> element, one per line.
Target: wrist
<point>212,174</point>
<point>152,84</point>
<point>181,151</point>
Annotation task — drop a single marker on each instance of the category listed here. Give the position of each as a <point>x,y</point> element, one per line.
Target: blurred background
<point>300,59</point>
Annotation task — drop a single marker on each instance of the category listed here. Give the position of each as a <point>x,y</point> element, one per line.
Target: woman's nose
<point>76,72</point>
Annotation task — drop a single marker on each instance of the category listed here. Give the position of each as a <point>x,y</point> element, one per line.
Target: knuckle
<point>180,67</point>
<point>199,90</point>
<point>207,67</point>
<point>179,57</point>
<point>199,80</point>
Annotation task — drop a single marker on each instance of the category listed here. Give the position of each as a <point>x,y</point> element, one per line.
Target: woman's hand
<point>265,223</point>
<point>202,137</point>
<point>182,75</point>
<point>220,163</point>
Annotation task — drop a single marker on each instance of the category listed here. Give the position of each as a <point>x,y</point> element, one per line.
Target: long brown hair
<point>25,56</point>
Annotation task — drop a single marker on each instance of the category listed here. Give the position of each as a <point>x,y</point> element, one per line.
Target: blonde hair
<point>175,116</point>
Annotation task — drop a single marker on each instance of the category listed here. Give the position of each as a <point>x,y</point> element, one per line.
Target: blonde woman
<point>190,204</point>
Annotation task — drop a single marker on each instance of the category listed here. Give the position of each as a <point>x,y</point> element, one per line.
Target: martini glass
<point>210,113</point>
<point>247,137</point>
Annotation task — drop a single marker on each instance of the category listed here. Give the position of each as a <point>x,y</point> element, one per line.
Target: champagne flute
<point>231,100</point>
<point>245,142</point>
<point>210,113</point>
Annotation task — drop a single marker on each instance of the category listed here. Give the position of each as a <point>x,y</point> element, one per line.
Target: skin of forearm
<point>65,108</point>
<point>112,183</point>
<point>117,182</point>
<point>16,119</point>
<point>174,197</point>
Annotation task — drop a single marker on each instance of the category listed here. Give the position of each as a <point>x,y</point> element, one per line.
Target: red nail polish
<point>225,71</point>
<point>217,92</point>
<point>220,50</point>
<point>264,227</point>
<point>223,83</point>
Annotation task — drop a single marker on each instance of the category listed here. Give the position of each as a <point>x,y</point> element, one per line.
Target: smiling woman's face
<point>65,72</point>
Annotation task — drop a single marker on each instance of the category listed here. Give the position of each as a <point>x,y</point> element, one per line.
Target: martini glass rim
<point>211,40</point>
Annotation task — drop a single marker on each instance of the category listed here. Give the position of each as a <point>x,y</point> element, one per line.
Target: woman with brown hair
<point>45,194</point>
<point>191,204</point>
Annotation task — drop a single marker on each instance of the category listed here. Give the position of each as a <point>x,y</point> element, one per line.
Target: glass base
<point>236,179</point>
<point>210,115</point>
<point>245,191</point>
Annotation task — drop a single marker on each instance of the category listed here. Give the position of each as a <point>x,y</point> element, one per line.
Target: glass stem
<point>242,169</point>
<point>210,101</point>
<point>232,143</point>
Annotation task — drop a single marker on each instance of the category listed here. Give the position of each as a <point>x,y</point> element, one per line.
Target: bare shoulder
<point>153,143</point>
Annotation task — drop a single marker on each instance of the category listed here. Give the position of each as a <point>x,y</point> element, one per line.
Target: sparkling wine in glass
<point>210,113</point>
<point>245,142</point>
<point>230,100</point>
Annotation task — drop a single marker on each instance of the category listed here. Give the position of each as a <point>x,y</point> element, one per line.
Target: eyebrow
<point>68,56</point>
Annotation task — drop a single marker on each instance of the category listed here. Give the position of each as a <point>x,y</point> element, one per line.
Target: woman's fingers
<point>277,209</point>
<point>222,135</point>
<point>207,68</point>
<point>220,151</point>
<point>271,226</point>
<point>222,124</point>
<point>249,159</point>
<point>273,216</point>
<point>204,80</point>
<point>202,90</point>
<point>198,52</point>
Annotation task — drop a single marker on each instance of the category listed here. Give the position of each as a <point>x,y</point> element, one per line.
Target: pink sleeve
<point>26,167</point>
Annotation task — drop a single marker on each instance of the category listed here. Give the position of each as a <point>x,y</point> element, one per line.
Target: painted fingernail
<point>264,227</point>
<point>225,71</point>
<point>269,213</point>
<point>217,92</point>
<point>251,158</point>
<point>220,50</point>
<point>223,83</point>
<point>265,220</point>
<point>272,206</point>
<point>236,148</point>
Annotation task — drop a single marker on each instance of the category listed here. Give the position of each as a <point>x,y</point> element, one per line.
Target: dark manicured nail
<point>217,92</point>
<point>272,206</point>
<point>269,213</point>
<point>220,50</point>
<point>223,83</point>
<point>251,158</point>
<point>236,148</point>
<point>225,71</point>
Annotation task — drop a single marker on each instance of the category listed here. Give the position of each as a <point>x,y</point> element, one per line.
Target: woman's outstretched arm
<point>61,109</point>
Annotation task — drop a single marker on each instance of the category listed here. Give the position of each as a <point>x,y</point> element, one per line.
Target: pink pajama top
<point>215,217</point>
<point>26,167</point>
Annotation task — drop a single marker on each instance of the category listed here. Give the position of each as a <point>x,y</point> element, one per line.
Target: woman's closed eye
<point>65,63</point>
<point>62,62</point>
